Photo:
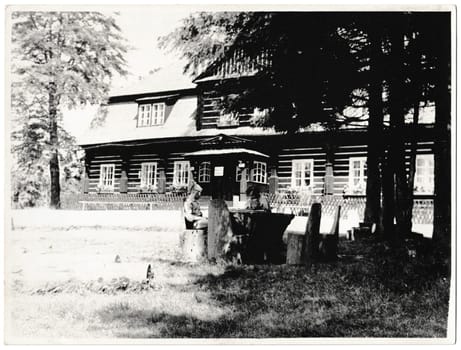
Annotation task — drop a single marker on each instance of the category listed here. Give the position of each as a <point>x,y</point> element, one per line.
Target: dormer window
<point>151,114</point>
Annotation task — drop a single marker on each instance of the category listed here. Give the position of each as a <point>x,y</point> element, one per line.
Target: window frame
<point>144,119</point>
<point>303,173</point>
<point>152,117</point>
<point>159,120</point>
<point>103,177</point>
<point>176,165</point>
<point>256,176</point>
<point>362,174</point>
<point>427,180</point>
<point>238,174</point>
<point>204,177</point>
<point>154,175</point>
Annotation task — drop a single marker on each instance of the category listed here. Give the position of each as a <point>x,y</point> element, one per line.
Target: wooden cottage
<point>158,136</point>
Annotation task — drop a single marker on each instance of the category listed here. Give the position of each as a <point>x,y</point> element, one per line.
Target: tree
<point>306,71</point>
<point>320,63</point>
<point>62,60</point>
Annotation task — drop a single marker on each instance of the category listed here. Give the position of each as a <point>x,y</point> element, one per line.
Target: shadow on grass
<point>128,320</point>
<point>345,299</point>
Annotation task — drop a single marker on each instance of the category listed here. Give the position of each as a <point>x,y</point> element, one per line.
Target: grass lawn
<point>64,285</point>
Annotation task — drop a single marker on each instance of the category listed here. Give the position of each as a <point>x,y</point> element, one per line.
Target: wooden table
<point>262,232</point>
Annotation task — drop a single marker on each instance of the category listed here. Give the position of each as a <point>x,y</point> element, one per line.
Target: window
<point>238,174</point>
<point>259,172</point>
<point>144,115</point>
<point>151,114</point>
<point>181,173</point>
<point>424,174</point>
<point>204,172</point>
<point>106,177</point>
<point>302,173</point>
<point>158,113</point>
<point>357,175</point>
<point>148,174</point>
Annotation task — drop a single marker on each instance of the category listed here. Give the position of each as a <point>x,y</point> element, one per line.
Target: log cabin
<point>158,136</point>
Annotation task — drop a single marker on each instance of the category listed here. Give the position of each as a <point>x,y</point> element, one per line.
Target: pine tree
<point>61,60</point>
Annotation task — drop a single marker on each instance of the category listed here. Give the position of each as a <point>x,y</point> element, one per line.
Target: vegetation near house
<point>317,66</point>
<point>61,60</point>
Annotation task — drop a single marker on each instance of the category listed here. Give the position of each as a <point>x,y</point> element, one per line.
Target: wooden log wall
<point>284,164</point>
<point>210,111</point>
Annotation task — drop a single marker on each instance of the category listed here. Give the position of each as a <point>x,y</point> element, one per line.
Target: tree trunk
<point>442,154</point>
<point>397,123</point>
<point>55,188</point>
<point>375,126</point>
<point>387,228</point>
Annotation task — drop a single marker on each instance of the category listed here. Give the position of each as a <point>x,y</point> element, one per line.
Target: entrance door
<point>223,179</point>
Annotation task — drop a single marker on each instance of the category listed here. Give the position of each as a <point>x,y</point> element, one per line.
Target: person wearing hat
<point>192,213</point>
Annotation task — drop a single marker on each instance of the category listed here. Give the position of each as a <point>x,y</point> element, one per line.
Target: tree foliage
<point>323,64</point>
<point>61,60</point>
<point>310,74</point>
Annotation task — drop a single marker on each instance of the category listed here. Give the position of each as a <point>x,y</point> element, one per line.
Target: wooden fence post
<point>311,237</point>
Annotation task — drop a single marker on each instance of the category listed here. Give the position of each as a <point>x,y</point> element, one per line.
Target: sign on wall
<point>218,171</point>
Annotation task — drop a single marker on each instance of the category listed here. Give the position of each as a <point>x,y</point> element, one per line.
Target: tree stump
<point>312,235</point>
<point>193,245</point>
<point>294,248</point>
<point>219,229</point>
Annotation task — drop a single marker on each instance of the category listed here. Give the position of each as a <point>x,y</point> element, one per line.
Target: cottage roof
<point>120,125</point>
<point>169,78</point>
<point>219,152</point>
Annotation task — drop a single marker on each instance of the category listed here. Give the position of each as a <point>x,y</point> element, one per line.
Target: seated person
<point>255,201</point>
<point>192,213</point>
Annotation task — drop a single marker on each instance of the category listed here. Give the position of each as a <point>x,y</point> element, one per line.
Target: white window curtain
<point>424,174</point>
<point>357,175</point>
<point>302,174</point>
<point>148,174</point>
<point>107,176</point>
<point>181,173</point>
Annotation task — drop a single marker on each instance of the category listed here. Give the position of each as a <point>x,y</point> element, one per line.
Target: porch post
<point>273,180</point>
<point>161,182</point>
<point>86,173</point>
<point>124,174</point>
<point>243,183</point>
<point>329,176</point>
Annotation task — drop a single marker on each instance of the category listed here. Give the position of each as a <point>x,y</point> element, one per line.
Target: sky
<point>141,26</point>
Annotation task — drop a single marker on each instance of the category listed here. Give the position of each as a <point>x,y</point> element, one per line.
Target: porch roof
<point>220,152</point>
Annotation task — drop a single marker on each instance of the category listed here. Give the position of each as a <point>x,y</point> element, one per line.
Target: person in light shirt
<point>192,212</point>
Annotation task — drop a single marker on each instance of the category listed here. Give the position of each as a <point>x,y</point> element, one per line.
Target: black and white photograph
<point>229,174</point>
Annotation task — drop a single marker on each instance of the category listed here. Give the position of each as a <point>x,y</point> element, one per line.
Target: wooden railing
<point>120,201</point>
<point>292,203</point>
<point>299,204</point>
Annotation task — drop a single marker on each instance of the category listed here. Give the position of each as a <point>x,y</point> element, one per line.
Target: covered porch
<point>227,166</point>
